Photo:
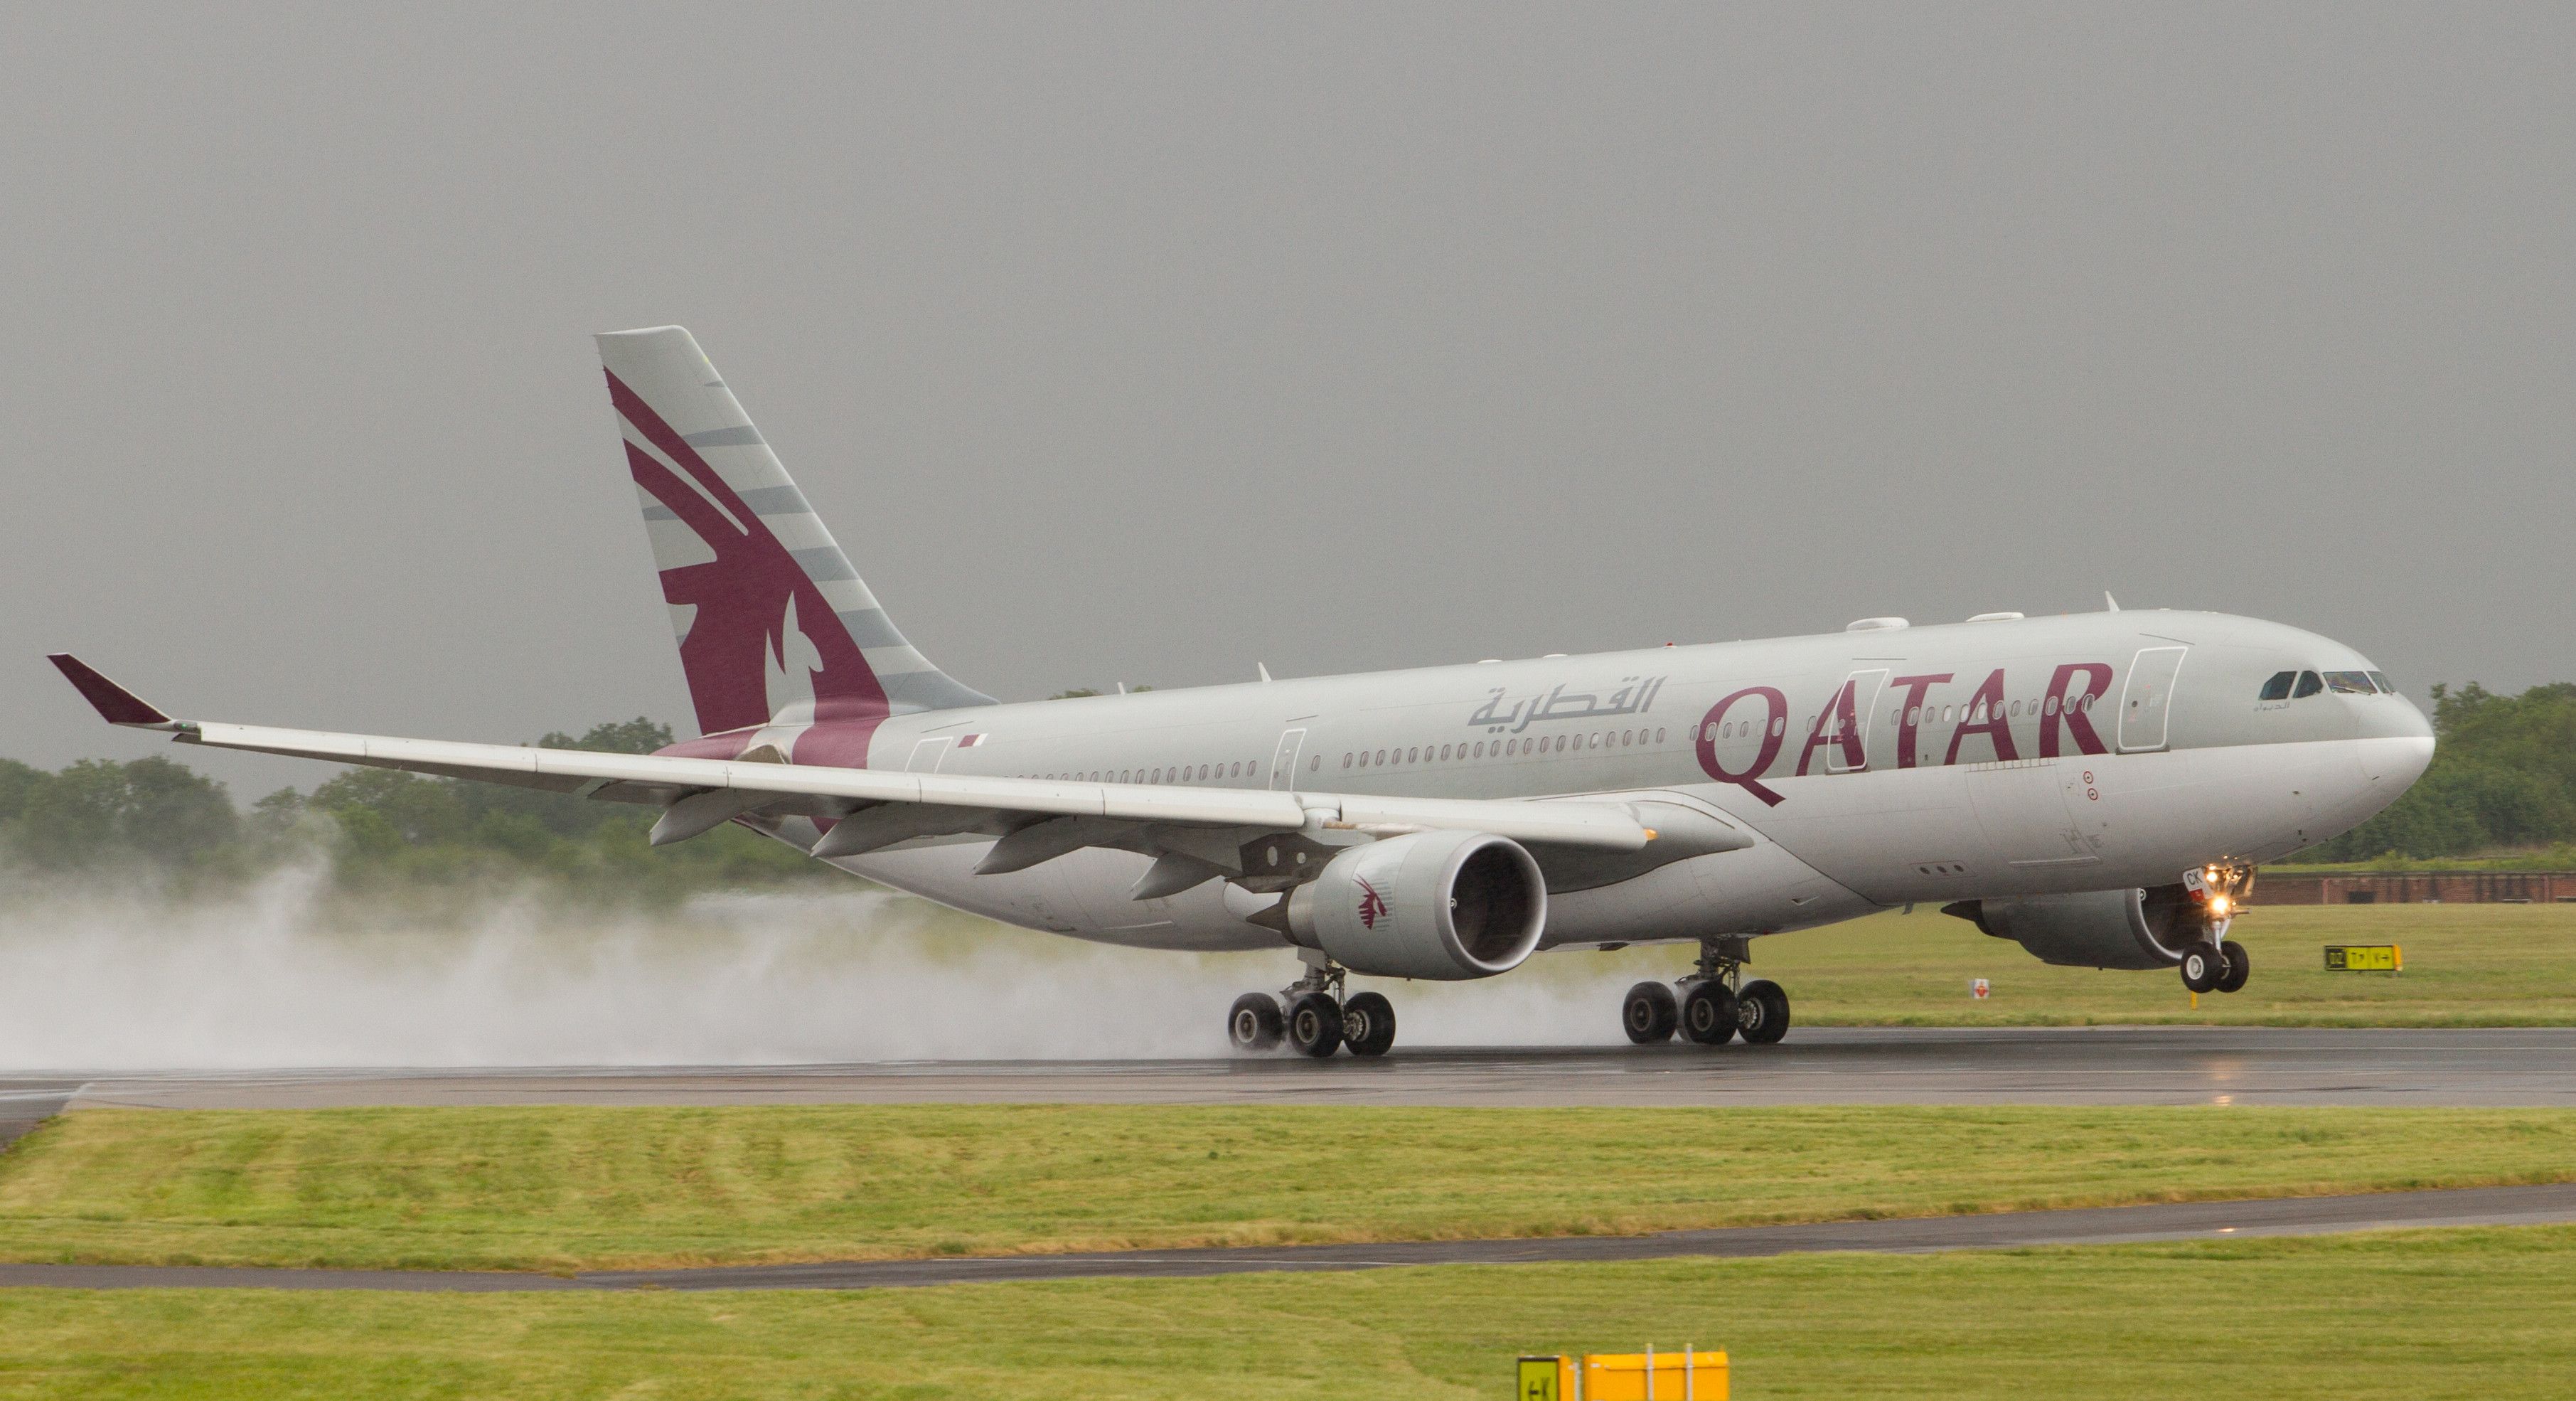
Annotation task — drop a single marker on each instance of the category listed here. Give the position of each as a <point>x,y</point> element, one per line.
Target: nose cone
<point>2394,762</point>
<point>2396,745</point>
<point>2396,742</point>
<point>2409,722</point>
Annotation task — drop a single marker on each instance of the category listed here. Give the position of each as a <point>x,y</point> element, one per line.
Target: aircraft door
<point>929,754</point>
<point>2146,703</point>
<point>1283,765</point>
<point>1863,687</point>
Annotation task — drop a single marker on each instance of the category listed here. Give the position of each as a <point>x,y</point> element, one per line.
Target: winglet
<point>116,705</point>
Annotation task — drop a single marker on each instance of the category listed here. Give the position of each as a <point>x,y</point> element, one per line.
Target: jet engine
<point>2099,928</point>
<point>1442,905</point>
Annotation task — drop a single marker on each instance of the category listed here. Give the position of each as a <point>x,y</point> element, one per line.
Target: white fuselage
<point>1874,768</point>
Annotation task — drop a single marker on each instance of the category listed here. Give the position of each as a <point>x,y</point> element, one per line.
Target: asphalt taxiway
<point>1819,1065</point>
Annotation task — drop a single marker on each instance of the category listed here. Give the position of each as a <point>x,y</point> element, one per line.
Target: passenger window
<point>2385,685</point>
<point>2309,685</point>
<point>2349,683</point>
<point>2278,688</point>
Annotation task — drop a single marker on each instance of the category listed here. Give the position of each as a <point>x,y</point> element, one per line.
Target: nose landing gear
<point>2222,966</point>
<point>1312,1019</point>
<point>1715,1005</point>
<point>2217,963</point>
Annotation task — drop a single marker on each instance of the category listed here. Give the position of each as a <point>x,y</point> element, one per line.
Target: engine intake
<point>2098,928</point>
<point>1442,905</point>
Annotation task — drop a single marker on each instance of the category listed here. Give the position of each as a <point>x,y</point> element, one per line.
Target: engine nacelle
<point>2098,928</point>
<point>1444,905</point>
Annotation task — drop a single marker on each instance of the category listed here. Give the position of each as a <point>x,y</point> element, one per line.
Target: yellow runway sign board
<point>1688,1375</point>
<point>2365,958</point>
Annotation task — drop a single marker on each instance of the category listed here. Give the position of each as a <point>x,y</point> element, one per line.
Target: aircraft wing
<point>872,808</point>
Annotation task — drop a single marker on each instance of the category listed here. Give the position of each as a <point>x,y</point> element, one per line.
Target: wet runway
<point>2163,1221</point>
<point>1822,1065</point>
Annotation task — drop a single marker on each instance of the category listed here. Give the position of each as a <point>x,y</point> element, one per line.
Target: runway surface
<point>1822,1065</point>
<point>2293,1216</point>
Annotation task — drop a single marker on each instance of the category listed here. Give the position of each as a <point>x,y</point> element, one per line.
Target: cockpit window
<point>2309,685</point>
<point>2386,686</point>
<point>2278,688</point>
<point>2350,683</point>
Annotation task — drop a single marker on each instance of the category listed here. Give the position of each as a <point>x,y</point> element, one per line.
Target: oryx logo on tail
<point>774,625</point>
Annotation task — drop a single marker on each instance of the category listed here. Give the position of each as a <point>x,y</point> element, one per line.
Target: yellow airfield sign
<point>1688,1375</point>
<point>2365,958</point>
<point>1546,1379</point>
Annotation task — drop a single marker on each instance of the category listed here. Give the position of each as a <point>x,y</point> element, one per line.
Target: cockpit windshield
<point>2299,685</point>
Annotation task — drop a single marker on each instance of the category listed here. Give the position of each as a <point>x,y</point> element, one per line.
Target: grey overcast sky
<point>1148,342</point>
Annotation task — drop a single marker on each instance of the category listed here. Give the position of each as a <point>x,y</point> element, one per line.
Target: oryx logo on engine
<point>1372,905</point>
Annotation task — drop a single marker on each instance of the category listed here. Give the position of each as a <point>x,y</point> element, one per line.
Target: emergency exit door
<point>1283,765</point>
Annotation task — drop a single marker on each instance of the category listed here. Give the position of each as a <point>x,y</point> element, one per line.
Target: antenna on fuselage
<point>1263,668</point>
<point>2107,598</point>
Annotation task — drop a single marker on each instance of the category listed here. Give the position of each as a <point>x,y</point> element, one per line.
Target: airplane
<point>2098,788</point>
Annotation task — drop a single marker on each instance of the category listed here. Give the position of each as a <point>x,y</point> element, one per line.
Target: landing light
<point>2218,904</point>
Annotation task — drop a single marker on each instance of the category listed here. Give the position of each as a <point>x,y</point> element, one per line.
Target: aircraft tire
<point>1708,1013</point>
<point>1648,1014</point>
<point>2202,966</point>
<point>2239,966</point>
<point>1255,1023</point>
<point>1368,1024</point>
<point>1314,1024</point>
<point>1762,1012</point>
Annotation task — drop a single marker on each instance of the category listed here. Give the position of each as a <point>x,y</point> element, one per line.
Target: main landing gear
<point>1715,1004</point>
<point>1312,1018</point>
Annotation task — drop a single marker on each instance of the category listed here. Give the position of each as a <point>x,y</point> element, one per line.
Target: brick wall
<point>2412,887</point>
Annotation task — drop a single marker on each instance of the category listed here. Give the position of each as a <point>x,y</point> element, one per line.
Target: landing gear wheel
<point>1315,1024</point>
<point>1255,1023</point>
<point>2202,966</point>
<point>2238,966</point>
<point>1648,1014</point>
<point>1368,1024</point>
<point>1708,1013</point>
<point>1762,1012</point>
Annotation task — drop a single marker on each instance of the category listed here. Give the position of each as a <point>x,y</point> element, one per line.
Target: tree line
<point>376,827</point>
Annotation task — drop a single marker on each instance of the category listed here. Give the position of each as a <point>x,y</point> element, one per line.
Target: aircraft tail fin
<point>773,624</point>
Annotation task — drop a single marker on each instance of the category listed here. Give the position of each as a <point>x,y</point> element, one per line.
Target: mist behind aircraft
<point>281,974</point>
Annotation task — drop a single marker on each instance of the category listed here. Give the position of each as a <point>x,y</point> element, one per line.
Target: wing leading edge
<point>881,808</point>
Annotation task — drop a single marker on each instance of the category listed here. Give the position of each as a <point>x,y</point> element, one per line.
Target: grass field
<point>2470,1314</point>
<point>2466,965</point>
<point>562,1188</point>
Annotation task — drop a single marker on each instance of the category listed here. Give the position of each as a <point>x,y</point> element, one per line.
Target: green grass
<point>562,1188</point>
<point>2469,1314</point>
<point>2466,965</point>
